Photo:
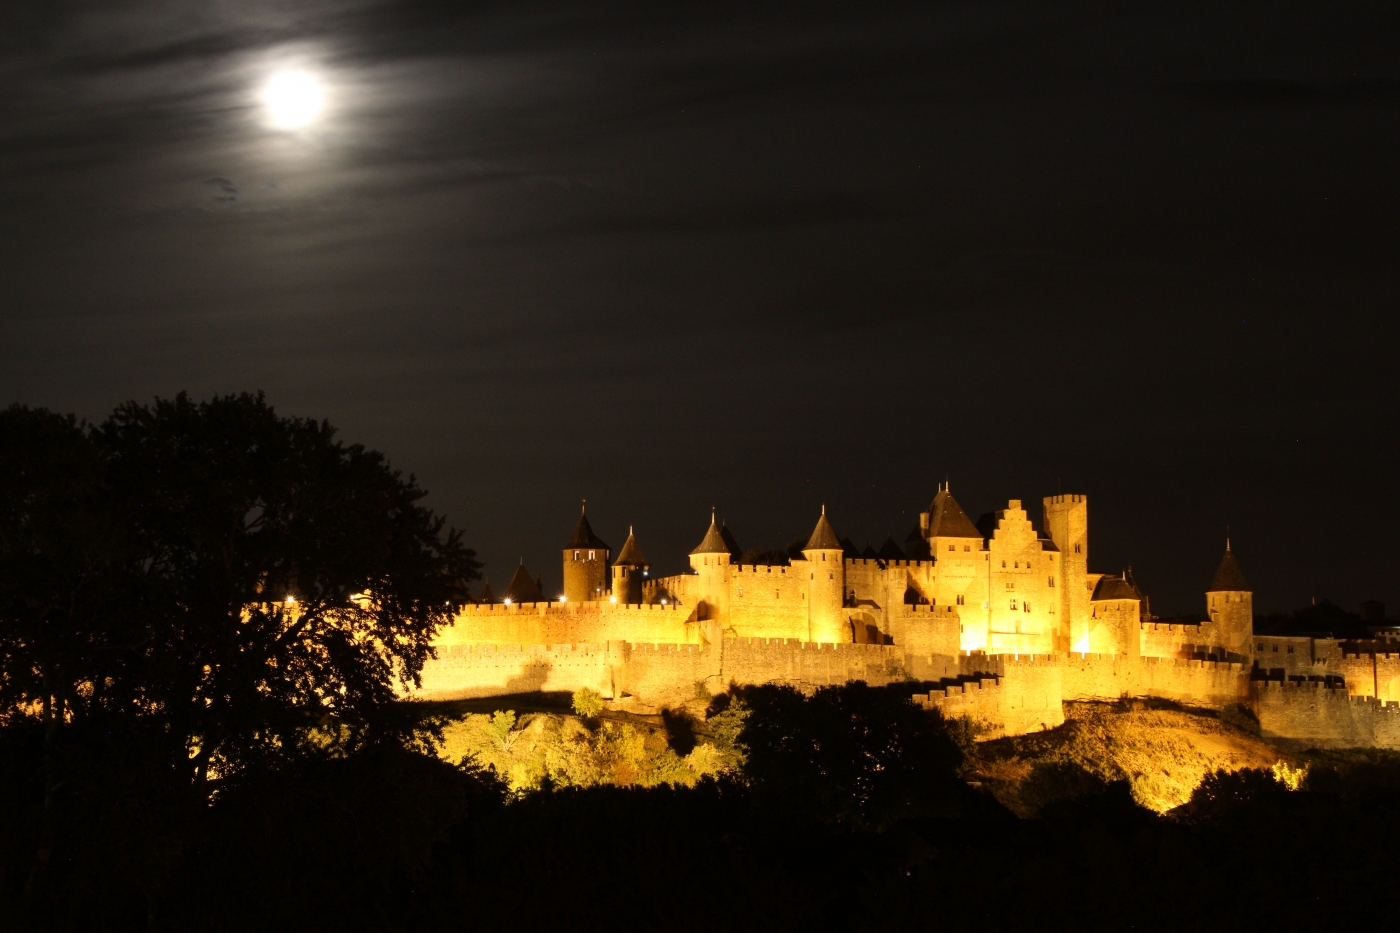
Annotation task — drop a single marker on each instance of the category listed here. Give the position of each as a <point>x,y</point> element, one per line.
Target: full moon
<point>293,99</point>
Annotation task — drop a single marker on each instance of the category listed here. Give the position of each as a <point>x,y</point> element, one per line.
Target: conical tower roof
<point>823,536</point>
<point>713,542</point>
<point>486,595</point>
<point>584,536</point>
<point>891,551</point>
<point>730,540</point>
<point>1228,577</point>
<point>631,554</point>
<point>523,588</point>
<point>948,520</point>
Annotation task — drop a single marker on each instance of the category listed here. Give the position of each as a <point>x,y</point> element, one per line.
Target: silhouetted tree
<point>189,591</point>
<point>852,754</point>
<point>283,574</point>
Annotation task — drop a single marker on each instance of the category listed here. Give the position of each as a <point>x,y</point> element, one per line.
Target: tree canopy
<point>190,589</point>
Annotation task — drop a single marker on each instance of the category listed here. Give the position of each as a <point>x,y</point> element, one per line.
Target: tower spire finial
<point>583,509</point>
<point>823,508</point>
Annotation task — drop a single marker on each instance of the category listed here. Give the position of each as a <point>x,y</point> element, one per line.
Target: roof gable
<point>948,520</point>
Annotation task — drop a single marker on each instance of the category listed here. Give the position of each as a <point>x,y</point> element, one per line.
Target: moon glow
<point>294,99</point>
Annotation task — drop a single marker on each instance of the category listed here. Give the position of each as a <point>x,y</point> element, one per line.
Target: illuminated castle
<point>1003,621</point>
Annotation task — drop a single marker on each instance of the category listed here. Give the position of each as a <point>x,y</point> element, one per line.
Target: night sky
<point>758,257</point>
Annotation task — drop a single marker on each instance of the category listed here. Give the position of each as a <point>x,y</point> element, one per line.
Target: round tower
<point>710,561</point>
<point>628,572</point>
<point>826,585</point>
<point>1230,603</point>
<point>585,564</point>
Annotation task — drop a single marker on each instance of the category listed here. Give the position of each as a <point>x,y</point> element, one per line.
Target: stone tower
<point>1230,603</point>
<point>585,564</point>
<point>627,572</point>
<point>1067,523</point>
<point>710,561</point>
<point>826,584</point>
<point>1115,617</point>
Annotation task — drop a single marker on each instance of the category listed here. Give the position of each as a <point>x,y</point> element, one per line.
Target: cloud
<point>227,191</point>
<point>1270,92</point>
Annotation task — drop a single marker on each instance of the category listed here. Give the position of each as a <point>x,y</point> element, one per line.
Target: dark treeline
<point>207,610</point>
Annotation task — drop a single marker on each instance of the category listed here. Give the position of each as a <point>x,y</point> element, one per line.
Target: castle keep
<point>1004,618</point>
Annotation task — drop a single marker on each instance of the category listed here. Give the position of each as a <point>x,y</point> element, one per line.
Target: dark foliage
<point>1323,618</point>
<point>177,609</point>
<point>854,755</point>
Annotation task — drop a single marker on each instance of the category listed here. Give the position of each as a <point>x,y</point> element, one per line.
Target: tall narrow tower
<point>710,561</point>
<point>585,563</point>
<point>1230,603</point>
<point>628,571</point>
<point>826,584</point>
<point>1067,523</point>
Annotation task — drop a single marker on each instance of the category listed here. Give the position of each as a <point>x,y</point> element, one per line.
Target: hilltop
<point>1162,750</point>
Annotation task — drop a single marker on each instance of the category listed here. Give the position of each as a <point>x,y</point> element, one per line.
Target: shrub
<point>588,703</point>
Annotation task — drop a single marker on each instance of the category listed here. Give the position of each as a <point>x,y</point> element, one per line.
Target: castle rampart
<point>1011,625</point>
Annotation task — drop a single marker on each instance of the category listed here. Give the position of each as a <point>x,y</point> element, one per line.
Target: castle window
<point>960,600</point>
<point>1025,607</point>
<point>1011,586</point>
<point>741,591</point>
<point>1275,649</point>
<point>575,555</point>
<point>823,557</point>
<point>831,575</point>
<point>967,547</point>
<point>777,593</point>
<point>1052,582</point>
<point>952,547</point>
<point>591,555</point>
<point>1076,549</point>
<point>1003,565</point>
<point>1013,604</point>
<point>1290,649</point>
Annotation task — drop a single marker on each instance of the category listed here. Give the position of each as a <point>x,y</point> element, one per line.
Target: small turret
<point>629,572</point>
<point>710,560</point>
<point>1115,616</point>
<point>826,584</point>
<point>585,563</point>
<point>1230,603</point>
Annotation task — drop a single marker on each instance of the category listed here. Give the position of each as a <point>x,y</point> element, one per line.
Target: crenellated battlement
<point>877,564</point>
<point>564,608</point>
<point>1176,628</point>
<point>927,609</point>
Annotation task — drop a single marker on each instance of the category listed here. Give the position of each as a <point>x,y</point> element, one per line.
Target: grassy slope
<point>1163,752</point>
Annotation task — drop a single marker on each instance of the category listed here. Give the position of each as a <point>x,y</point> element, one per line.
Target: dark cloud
<point>1260,92</point>
<point>669,256</point>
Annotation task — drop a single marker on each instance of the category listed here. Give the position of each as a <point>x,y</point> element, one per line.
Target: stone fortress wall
<point>1003,622</point>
